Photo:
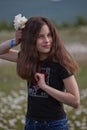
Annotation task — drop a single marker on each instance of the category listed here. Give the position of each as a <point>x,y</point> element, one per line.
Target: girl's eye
<point>40,36</point>
<point>49,35</point>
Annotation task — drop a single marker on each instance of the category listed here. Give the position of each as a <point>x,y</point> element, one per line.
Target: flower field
<point>13,90</point>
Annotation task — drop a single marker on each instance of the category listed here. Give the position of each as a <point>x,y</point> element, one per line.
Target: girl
<point>49,71</point>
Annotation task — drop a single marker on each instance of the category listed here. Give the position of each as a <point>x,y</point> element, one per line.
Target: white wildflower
<point>19,22</point>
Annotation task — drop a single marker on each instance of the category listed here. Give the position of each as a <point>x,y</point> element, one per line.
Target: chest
<point>52,77</point>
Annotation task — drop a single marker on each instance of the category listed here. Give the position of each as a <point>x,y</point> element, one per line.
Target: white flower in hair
<point>19,22</point>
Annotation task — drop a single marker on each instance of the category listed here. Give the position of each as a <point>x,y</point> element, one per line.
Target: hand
<point>18,36</point>
<point>40,78</point>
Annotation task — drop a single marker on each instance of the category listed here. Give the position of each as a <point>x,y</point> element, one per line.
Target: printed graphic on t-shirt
<point>34,90</point>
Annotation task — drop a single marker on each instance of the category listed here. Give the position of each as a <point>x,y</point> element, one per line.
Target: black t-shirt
<point>42,106</point>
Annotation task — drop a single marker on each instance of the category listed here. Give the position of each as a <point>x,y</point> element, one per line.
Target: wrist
<point>12,42</point>
<point>44,86</point>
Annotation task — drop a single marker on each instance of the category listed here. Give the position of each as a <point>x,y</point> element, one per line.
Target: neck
<point>43,57</point>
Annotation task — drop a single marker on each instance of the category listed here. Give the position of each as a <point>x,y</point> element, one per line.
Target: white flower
<point>19,21</point>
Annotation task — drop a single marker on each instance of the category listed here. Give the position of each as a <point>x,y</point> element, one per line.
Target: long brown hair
<point>28,57</point>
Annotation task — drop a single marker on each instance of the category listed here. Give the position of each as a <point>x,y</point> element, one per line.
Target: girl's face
<point>44,42</point>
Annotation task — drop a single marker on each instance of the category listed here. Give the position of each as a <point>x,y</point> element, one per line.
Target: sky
<point>59,10</point>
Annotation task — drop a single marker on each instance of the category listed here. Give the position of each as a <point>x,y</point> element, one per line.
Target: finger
<point>37,77</point>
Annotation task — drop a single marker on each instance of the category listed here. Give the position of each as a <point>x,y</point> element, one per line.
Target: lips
<point>46,46</point>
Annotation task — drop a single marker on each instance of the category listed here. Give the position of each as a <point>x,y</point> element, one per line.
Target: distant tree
<point>66,25</point>
<point>81,21</point>
<point>4,25</point>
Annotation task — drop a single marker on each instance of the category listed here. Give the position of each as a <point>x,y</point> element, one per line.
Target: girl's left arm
<point>70,97</point>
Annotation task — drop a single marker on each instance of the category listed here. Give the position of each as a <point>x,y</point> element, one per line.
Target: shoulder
<point>62,71</point>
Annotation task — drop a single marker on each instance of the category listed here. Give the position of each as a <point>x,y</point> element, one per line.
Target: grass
<point>10,79</point>
<point>5,35</point>
<point>82,76</point>
<point>74,35</point>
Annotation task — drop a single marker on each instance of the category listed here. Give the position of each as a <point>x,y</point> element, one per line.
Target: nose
<point>46,39</point>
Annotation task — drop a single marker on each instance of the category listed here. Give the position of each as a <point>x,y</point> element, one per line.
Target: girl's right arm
<point>6,52</point>
<point>11,55</point>
<point>5,47</point>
